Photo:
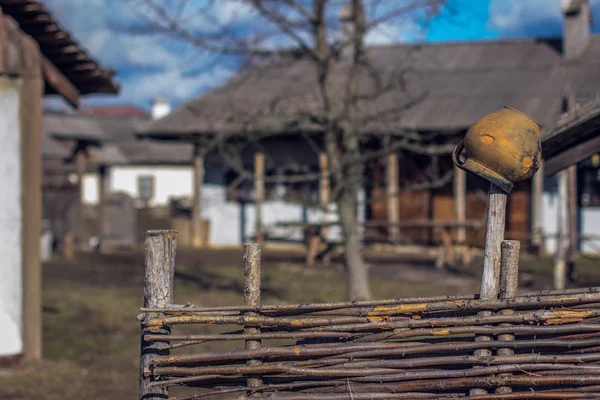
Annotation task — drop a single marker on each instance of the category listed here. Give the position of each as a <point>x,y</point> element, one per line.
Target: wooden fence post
<point>509,283</point>
<point>252,284</point>
<point>159,271</point>
<point>490,279</point>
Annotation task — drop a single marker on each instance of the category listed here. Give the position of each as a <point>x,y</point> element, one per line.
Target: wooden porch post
<point>573,221</point>
<point>537,241</point>
<point>31,170</point>
<point>393,203</point>
<point>562,246</point>
<point>195,223</point>
<point>103,192</point>
<point>259,189</point>
<point>324,188</point>
<point>76,236</point>
<point>460,207</point>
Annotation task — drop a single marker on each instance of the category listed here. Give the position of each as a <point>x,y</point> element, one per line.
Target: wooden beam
<point>537,191</point>
<point>60,83</point>
<point>9,31</point>
<point>259,190</point>
<point>393,204</point>
<point>574,155</point>
<point>32,90</point>
<point>198,179</point>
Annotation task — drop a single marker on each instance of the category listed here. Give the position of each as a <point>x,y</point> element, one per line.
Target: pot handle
<point>456,154</point>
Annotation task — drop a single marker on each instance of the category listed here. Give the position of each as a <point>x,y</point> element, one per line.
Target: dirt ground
<point>91,336</point>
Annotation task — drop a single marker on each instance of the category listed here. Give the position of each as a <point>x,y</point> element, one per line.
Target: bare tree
<point>331,34</point>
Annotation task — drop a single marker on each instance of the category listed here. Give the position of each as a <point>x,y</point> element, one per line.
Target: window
<point>146,188</point>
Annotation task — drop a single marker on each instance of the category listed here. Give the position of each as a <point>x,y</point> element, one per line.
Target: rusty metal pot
<point>503,147</point>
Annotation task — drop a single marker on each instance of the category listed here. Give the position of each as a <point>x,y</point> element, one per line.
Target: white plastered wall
<point>11,285</point>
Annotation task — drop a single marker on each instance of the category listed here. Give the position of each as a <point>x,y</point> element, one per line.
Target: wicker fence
<point>544,345</point>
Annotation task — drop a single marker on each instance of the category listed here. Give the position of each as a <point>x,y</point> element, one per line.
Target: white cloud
<point>509,16</point>
<point>395,32</point>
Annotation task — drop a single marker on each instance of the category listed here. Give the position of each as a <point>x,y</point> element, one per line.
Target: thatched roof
<point>71,126</point>
<point>121,131</point>
<point>447,88</point>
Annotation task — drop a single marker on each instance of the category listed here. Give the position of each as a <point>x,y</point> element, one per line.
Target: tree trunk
<point>358,274</point>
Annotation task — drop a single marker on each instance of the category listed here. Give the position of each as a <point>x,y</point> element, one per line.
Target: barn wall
<point>11,303</point>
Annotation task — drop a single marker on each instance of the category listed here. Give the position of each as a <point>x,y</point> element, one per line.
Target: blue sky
<point>151,65</point>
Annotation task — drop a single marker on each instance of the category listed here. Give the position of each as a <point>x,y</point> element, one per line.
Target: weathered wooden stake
<point>496,218</point>
<point>393,205</point>
<point>490,279</point>
<point>259,190</point>
<point>509,283</point>
<point>159,271</point>
<point>252,284</point>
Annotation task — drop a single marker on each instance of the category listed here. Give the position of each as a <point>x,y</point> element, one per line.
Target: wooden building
<point>37,57</point>
<point>446,88</point>
<point>571,210</point>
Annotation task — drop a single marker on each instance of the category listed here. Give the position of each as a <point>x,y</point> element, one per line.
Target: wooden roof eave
<point>12,37</point>
<point>572,141</point>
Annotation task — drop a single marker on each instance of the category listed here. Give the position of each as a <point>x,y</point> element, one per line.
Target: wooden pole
<point>560,263</point>
<point>537,240</point>
<point>196,222</point>
<point>460,206</point>
<point>159,272</point>
<point>259,189</point>
<point>80,166</point>
<point>573,221</point>
<point>324,188</point>
<point>252,287</point>
<point>496,218</point>
<point>393,204</point>
<point>31,169</point>
<point>103,192</point>
<point>490,279</point>
<point>509,283</point>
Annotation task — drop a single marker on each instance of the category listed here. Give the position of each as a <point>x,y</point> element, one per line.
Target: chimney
<point>160,107</point>
<point>576,29</point>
